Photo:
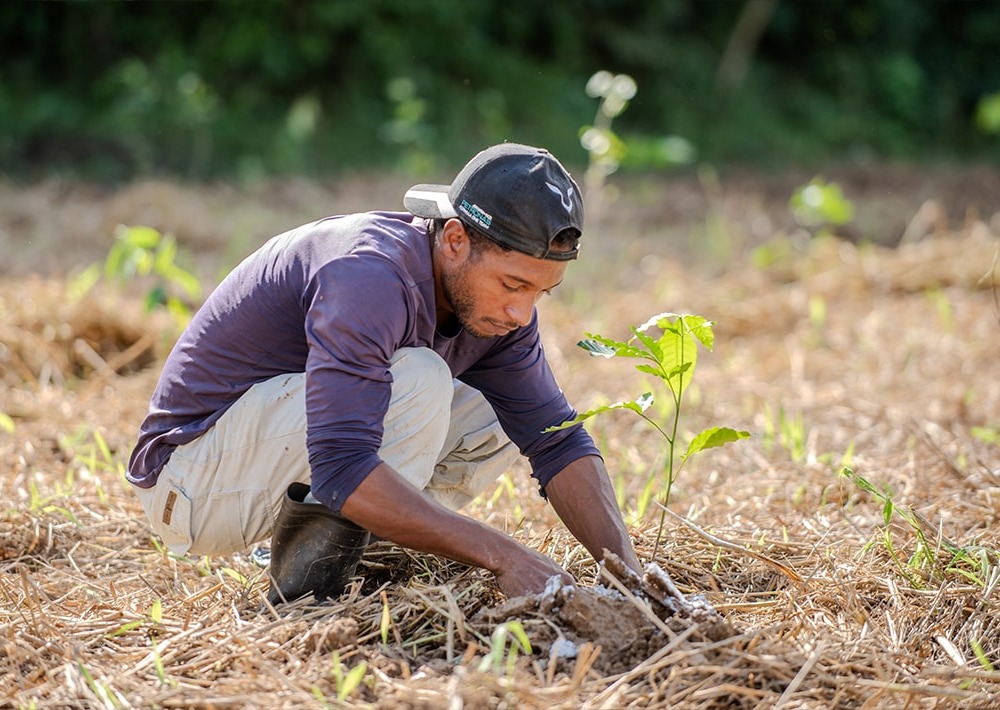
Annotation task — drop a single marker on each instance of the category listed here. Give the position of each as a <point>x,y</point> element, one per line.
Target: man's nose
<point>520,311</point>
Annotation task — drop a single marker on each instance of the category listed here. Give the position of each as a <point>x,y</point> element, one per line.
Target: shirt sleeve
<point>516,380</point>
<point>356,312</point>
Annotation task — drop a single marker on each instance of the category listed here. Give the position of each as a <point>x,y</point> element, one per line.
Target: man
<point>375,372</point>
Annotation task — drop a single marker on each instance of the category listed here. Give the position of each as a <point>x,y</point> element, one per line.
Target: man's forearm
<point>584,499</point>
<point>387,505</point>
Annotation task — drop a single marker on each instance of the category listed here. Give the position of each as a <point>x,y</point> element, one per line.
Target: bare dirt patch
<point>616,627</point>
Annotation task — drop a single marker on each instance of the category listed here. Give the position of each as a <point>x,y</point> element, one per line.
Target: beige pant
<point>222,492</point>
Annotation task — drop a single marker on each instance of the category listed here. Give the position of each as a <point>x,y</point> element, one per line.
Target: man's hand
<point>390,507</point>
<point>585,501</point>
<point>530,575</point>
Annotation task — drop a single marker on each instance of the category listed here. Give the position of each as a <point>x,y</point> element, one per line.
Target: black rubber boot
<point>313,550</point>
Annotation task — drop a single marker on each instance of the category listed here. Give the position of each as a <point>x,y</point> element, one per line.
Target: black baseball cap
<point>516,195</point>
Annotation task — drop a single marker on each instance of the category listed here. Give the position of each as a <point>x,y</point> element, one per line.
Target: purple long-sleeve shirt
<point>336,299</point>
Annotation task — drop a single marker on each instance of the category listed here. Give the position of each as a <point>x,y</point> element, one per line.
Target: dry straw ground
<point>830,352</point>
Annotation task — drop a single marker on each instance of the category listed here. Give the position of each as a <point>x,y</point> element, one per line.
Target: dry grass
<point>832,354</point>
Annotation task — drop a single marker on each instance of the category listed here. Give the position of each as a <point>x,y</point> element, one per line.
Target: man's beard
<point>458,292</point>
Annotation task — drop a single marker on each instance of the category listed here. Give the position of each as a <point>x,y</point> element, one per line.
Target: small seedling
<point>821,203</point>
<point>988,114</point>
<point>234,574</point>
<point>987,435</point>
<point>346,683</point>
<point>106,694</point>
<point>161,673</point>
<point>44,504</point>
<point>975,563</point>
<point>604,148</point>
<point>789,431</point>
<point>984,660</point>
<point>385,622</point>
<point>500,657</point>
<point>670,358</point>
<point>153,620</point>
<point>143,253</point>
<point>93,461</point>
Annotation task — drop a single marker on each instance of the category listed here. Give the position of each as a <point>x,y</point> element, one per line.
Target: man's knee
<point>422,374</point>
<point>419,412</point>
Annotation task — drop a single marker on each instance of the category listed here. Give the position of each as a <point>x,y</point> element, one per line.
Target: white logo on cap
<point>564,199</point>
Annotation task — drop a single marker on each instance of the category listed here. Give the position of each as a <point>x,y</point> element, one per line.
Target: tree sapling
<point>671,358</point>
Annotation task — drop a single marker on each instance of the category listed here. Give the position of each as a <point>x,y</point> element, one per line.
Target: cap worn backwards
<point>516,195</point>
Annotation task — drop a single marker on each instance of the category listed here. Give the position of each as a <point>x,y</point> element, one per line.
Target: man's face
<point>495,292</point>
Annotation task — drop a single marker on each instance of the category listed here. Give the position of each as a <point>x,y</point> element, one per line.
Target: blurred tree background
<point>236,89</point>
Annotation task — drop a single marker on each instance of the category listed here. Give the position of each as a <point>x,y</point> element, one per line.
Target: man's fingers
<point>534,580</point>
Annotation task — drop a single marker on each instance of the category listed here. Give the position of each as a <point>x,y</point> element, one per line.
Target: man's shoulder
<point>397,236</point>
<point>360,222</point>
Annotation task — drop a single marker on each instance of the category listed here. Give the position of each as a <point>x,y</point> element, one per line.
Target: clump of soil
<point>628,622</point>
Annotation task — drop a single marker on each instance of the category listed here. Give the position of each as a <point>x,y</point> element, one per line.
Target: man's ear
<point>454,239</point>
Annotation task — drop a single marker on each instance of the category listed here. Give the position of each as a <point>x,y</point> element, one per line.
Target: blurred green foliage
<point>227,88</point>
<point>144,255</point>
<point>820,203</point>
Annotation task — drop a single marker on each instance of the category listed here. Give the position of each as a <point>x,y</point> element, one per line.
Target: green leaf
<point>988,113</point>
<point>318,694</point>
<point>713,438</point>
<point>568,423</point>
<point>139,237</point>
<point>6,423</point>
<point>352,680</point>
<point>498,643</point>
<point>81,284</point>
<point>384,622</point>
<point>887,507</point>
<point>680,354</point>
<point>184,279</point>
<point>643,401</point>
<point>679,370</point>
<point>115,262</point>
<point>597,348</point>
<point>165,255</point>
<point>661,320</point>
<point>144,262</point>
<point>516,630</point>
<point>179,310</point>
<point>651,345</point>
<point>650,370</point>
<point>230,572</point>
<point>820,203</point>
<point>124,628</point>
<point>606,347</point>
<point>701,329</point>
<point>157,296</point>
<point>639,405</point>
<point>988,435</point>
<point>861,482</point>
<point>981,656</point>
<point>102,446</point>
